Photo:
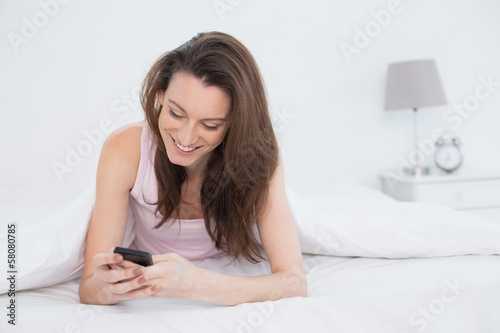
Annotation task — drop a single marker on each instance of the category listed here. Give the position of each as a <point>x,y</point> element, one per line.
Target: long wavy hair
<point>240,169</point>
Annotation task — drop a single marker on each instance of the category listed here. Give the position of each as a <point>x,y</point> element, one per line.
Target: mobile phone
<point>139,257</point>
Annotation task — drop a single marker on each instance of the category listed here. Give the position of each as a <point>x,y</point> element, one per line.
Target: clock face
<point>448,157</point>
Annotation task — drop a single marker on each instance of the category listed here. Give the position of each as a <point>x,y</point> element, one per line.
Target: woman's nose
<point>188,135</point>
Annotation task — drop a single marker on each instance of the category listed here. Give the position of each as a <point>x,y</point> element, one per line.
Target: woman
<point>201,171</point>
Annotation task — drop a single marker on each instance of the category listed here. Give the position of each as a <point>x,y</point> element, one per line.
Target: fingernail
<point>137,271</point>
<point>142,280</point>
<point>155,288</point>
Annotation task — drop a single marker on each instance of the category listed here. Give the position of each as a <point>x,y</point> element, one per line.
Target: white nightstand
<point>472,189</point>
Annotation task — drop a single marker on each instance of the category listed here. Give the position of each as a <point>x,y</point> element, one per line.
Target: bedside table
<point>474,190</point>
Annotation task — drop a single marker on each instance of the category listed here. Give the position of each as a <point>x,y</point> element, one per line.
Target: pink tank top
<point>188,238</point>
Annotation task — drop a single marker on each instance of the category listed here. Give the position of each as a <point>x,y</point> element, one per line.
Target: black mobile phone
<point>139,257</point>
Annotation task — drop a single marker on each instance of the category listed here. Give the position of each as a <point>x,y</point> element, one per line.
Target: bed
<point>373,265</point>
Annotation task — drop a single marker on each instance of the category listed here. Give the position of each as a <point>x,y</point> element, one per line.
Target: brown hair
<point>240,169</point>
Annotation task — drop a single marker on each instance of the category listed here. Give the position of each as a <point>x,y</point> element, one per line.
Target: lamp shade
<point>413,84</point>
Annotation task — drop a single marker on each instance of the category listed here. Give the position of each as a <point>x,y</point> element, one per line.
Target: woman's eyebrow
<point>182,109</point>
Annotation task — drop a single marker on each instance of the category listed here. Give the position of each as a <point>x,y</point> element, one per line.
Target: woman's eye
<point>175,115</point>
<point>212,128</point>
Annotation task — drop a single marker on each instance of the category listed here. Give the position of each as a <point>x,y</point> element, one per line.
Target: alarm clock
<point>448,156</point>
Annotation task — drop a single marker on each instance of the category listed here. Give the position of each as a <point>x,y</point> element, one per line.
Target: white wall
<point>82,66</point>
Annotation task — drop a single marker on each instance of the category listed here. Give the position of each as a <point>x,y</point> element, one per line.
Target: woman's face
<point>192,120</point>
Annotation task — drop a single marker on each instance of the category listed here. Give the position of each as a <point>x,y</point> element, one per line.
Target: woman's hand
<point>121,278</point>
<point>176,277</point>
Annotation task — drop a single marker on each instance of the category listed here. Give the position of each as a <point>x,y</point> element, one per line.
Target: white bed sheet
<point>346,294</point>
<point>460,294</point>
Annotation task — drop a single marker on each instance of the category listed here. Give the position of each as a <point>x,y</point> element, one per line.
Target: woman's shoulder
<point>121,152</point>
<point>126,139</point>
<point>127,133</point>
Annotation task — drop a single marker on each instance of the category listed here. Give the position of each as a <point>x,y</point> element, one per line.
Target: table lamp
<point>412,85</point>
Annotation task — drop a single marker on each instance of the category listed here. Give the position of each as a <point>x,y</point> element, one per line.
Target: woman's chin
<point>188,162</point>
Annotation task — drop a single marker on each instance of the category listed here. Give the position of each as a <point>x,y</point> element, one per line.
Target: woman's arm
<point>116,173</point>
<point>178,278</point>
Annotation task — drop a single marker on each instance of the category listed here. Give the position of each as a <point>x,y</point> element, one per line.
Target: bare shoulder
<point>121,154</point>
<point>127,135</point>
<point>125,142</point>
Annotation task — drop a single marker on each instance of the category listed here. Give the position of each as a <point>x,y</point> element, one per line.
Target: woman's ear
<point>160,94</point>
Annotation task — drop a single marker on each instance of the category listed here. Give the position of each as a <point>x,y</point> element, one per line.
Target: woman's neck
<point>194,178</point>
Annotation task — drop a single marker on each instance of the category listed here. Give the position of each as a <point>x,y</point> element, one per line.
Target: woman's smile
<point>184,150</point>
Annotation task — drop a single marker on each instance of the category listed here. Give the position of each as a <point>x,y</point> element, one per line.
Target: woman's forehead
<point>191,96</point>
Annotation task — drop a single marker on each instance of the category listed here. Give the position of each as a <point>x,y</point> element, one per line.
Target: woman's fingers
<point>120,277</point>
<point>111,268</point>
<point>141,292</point>
<point>117,275</point>
<point>124,265</point>
<point>124,287</point>
<point>117,266</point>
<point>102,259</point>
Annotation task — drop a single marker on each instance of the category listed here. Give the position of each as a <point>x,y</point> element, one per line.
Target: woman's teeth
<point>186,149</point>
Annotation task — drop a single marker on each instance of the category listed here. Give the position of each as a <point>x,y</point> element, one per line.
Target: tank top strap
<point>145,181</point>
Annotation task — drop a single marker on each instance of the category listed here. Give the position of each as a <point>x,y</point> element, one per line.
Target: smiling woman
<point>199,174</point>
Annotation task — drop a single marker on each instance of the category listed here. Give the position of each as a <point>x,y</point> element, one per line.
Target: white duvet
<point>373,265</point>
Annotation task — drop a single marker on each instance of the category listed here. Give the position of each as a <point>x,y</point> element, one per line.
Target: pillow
<point>351,225</point>
<point>54,251</point>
